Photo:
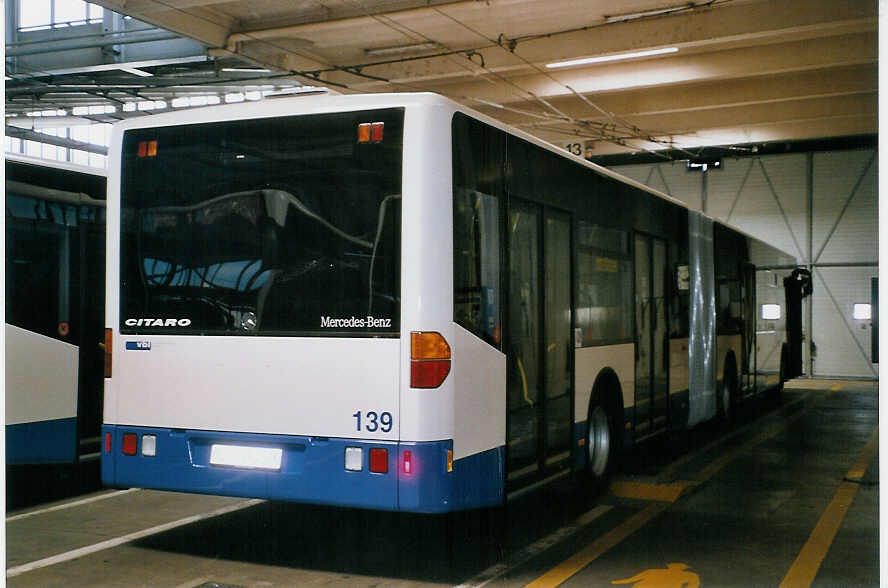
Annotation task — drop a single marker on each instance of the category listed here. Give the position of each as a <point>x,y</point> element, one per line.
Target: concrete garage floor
<point>786,496</point>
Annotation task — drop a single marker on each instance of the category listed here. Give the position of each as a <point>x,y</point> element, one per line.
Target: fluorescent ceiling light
<point>615,57</point>
<point>137,72</point>
<point>246,70</point>
<point>402,49</point>
<point>647,13</point>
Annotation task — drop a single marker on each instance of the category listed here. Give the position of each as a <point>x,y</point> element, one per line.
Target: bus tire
<point>727,394</point>
<point>781,379</point>
<point>602,441</point>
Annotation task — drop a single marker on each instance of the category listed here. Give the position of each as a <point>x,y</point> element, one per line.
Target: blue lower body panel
<point>312,470</point>
<point>42,442</point>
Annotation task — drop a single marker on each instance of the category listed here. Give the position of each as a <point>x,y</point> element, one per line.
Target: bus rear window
<point>275,226</point>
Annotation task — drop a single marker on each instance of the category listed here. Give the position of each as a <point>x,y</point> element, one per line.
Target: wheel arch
<point>608,390</point>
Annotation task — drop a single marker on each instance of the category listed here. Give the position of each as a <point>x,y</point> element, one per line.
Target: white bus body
<point>336,418</point>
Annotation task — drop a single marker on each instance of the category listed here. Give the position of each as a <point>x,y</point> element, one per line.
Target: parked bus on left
<point>55,293</point>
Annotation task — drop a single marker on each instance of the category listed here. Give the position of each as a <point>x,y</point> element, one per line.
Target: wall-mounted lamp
<point>703,165</point>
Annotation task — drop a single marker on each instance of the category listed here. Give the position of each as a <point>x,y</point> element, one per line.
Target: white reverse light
<point>149,445</point>
<point>259,458</point>
<point>615,57</point>
<point>354,459</point>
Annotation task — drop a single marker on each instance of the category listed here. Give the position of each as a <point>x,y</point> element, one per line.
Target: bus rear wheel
<point>602,447</point>
<point>599,443</point>
<point>726,399</point>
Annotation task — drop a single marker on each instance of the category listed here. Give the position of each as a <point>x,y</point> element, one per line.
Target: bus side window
<point>476,273</point>
<point>604,307</point>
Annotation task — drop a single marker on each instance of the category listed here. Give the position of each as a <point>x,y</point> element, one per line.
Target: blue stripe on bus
<point>312,471</point>
<point>41,442</point>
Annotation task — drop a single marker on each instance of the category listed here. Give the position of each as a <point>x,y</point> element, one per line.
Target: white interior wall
<point>822,208</point>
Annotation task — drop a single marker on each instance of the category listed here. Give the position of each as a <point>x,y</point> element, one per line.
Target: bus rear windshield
<point>274,226</point>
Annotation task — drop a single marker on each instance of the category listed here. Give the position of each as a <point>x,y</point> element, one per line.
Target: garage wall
<point>821,207</point>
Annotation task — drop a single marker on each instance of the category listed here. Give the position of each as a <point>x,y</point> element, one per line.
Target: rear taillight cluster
<point>130,444</point>
<point>429,359</point>
<point>378,462</point>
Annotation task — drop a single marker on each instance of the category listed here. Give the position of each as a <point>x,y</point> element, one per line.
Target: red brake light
<point>428,374</point>
<point>408,462</point>
<point>130,444</point>
<point>107,348</point>
<point>379,460</point>
<point>107,442</point>
<point>429,359</point>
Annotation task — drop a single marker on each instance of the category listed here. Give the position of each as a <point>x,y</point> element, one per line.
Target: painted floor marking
<point>497,571</point>
<point>116,542</point>
<point>805,567</point>
<point>581,559</point>
<point>643,491</point>
<point>566,569</point>
<point>67,505</point>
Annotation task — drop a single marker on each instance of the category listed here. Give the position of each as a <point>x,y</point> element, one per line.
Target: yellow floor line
<point>566,569</point>
<point>805,567</point>
<point>856,473</point>
<point>580,560</point>
<point>643,491</point>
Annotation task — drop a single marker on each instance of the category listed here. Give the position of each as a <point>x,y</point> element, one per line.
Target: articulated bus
<point>55,315</point>
<point>392,302</point>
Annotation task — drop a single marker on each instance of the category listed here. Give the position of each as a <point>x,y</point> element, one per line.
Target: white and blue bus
<point>55,291</point>
<point>393,302</point>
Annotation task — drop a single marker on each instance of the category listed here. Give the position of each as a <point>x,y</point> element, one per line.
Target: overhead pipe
<point>29,135</point>
<point>70,45</point>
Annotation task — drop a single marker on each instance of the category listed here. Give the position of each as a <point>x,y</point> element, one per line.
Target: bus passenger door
<point>538,339</point>
<point>651,340</point>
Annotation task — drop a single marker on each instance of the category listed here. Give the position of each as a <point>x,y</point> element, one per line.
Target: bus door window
<point>651,357</point>
<point>524,339</point>
<point>558,350</point>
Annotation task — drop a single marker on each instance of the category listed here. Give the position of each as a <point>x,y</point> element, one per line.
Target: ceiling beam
<point>740,25</point>
<point>692,97</point>
<point>718,66</point>
<point>209,27</point>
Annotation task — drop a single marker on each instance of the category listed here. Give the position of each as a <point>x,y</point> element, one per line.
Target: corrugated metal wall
<point>821,207</point>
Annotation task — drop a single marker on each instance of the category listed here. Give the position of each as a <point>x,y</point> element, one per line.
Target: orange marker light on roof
<point>152,148</point>
<point>364,133</point>
<point>370,132</point>
<point>376,132</point>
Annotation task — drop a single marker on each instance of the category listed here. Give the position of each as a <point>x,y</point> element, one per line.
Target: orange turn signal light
<point>428,345</point>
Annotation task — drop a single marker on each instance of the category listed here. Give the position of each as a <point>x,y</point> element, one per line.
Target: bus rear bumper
<point>302,469</point>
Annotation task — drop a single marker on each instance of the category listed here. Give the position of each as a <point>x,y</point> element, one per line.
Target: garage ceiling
<point>726,72</point>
